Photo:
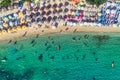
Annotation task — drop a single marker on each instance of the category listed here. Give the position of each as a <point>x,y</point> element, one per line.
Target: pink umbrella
<point>80,18</point>
<point>68,18</point>
<point>76,18</point>
<point>111,15</point>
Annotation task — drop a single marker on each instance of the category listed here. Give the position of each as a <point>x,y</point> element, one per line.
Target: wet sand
<point>34,31</point>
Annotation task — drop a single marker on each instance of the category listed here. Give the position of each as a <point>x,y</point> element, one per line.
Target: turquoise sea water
<point>73,56</point>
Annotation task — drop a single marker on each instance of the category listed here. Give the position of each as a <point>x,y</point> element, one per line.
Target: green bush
<point>96,2</point>
<point>5,3</point>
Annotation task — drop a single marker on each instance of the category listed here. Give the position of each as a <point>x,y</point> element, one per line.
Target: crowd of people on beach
<point>53,14</point>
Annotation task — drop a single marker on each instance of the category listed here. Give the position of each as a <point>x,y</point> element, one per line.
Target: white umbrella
<point>10,23</point>
<point>107,11</point>
<point>113,11</point>
<point>108,3</point>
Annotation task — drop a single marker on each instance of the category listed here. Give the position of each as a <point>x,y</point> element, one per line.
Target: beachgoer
<point>58,47</point>
<point>113,64</point>
<point>40,57</point>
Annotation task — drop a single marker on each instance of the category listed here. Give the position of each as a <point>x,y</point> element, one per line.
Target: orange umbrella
<point>24,27</point>
<point>20,14</point>
<point>22,21</point>
<point>3,31</point>
<point>18,28</point>
<point>9,30</point>
<point>14,29</point>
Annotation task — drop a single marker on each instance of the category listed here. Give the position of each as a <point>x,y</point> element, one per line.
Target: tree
<point>5,3</point>
<point>96,2</point>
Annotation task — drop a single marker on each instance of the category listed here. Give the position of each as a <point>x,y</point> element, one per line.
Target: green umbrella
<point>5,19</point>
<point>35,1</point>
<point>10,17</point>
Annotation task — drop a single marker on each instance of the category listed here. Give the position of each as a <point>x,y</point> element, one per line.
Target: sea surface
<point>67,56</point>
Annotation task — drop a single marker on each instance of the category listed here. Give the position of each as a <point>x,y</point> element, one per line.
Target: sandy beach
<point>41,31</point>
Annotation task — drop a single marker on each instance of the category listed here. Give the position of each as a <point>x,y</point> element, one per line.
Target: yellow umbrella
<point>99,14</point>
<point>18,28</point>
<point>24,27</point>
<point>5,24</point>
<point>22,21</point>
<point>73,13</point>
<point>3,31</point>
<point>20,14</point>
<point>9,30</point>
<point>81,3</point>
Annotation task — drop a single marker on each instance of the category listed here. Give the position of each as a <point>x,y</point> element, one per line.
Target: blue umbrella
<point>48,6</point>
<point>37,13</point>
<point>55,17</point>
<point>33,20</point>
<point>65,16</point>
<point>60,10</point>
<point>55,5</point>
<point>31,8</point>
<point>61,4</point>
<point>49,18</point>
<point>37,8</point>
<point>56,24</point>
<point>66,10</point>
<point>55,11</point>
<point>31,15</point>
<point>66,3</point>
<point>42,8</point>
<point>49,12</point>
<point>43,19</point>
<point>60,17</point>
<point>43,12</point>
<point>38,19</point>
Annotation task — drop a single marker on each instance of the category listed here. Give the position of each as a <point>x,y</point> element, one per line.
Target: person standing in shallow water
<point>112,64</point>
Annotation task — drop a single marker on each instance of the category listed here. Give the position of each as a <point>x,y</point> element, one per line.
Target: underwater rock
<point>52,57</point>
<point>48,47</point>
<point>101,37</point>
<point>46,43</point>
<point>53,42</point>
<point>40,57</point>
<point>83,57</point>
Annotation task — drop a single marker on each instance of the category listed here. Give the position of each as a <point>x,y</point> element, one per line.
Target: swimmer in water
<point>112,64</point>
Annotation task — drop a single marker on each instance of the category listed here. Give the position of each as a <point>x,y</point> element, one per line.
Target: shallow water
<point>76,56</point>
